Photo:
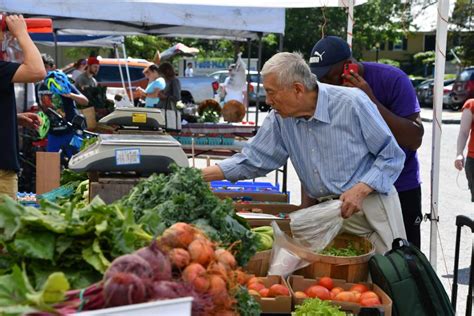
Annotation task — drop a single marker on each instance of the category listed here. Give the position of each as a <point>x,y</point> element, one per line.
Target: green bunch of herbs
<point>183,196</point>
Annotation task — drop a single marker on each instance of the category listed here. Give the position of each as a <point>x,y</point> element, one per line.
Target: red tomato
<point>318,291</point>
<point>370,301</point>
<point>346,296</point>
<point>337,290</point>
<point>359,288</point>
<point>326,282</point>
<point>369,294</point>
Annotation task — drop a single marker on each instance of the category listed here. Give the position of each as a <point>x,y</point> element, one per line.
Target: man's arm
<point>408,131</point>
<point>32,68</point>
<point>389,158</point>
<point>262,154</point>
<point>464,128</point>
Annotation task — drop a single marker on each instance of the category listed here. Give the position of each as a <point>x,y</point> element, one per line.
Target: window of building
<point>430,42</point>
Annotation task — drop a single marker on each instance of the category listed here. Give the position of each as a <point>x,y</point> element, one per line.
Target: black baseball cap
<point>327,52</point>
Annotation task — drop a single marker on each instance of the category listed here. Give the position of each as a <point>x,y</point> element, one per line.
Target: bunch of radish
<point>324,289</point>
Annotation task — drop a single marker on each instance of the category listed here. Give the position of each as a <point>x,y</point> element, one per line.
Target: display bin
<point>259,264</point>
<point>251,197</point>
<point>221,186</point>
<point>299,283</point>
<point>280,210</point>
<point>351,269</point>
<point>176,307</point>
<point>274,305</point>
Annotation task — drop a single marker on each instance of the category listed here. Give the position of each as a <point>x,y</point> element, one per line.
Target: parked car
<point>415,81</point>
<point>463,88</point>
<point>424,92</point>
<point>193,89</point>
<point>221,75</point>
<point>446,91</point>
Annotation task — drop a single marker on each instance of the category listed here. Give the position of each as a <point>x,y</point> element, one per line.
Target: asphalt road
<point>454,199</point>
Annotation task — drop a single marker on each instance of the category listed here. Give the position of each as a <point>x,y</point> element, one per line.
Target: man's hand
<point>29,120</point>
<point>16,25</point>
<point>352,199</point>
<point>355,80</point>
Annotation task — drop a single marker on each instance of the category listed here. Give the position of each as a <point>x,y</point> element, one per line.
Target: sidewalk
<point>448,116</point>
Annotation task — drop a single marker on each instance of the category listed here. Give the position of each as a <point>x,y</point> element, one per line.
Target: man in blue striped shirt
<point>336,140</point>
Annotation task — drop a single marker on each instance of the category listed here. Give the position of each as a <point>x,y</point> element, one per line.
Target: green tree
<point>463,20</point>
<point>145,46</point>
<point>376,21</point>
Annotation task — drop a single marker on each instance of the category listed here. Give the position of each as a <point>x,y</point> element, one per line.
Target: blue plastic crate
<point>245,186</point>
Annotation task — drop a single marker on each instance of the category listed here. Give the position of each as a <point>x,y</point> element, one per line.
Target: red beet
<point>158,262</point>
<point>124,289</point>
<point>130,264</point>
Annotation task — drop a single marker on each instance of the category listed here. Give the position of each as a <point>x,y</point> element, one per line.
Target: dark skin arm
<point>408,131</point>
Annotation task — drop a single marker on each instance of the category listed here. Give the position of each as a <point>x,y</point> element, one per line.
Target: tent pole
<point>440,60</point>
<point>259,68</point>
<point>55,36</point>
<point>128,71</point>
<point>249,49</point>
<point>350,22</point>
<point>117,55</point>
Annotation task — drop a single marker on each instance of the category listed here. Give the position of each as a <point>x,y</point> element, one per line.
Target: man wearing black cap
<point>393,94</point>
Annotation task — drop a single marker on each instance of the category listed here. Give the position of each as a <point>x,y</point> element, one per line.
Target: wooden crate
<point>274,305</point>
<point>262,197</point>
<point>298,283</point>
<point>259,264</point>
<point>48,171</point>
<point>351,269</point>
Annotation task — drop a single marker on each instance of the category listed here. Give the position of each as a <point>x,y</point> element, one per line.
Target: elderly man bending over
<point>338,143</point>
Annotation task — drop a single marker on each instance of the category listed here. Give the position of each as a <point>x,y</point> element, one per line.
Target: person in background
<point>466,130</point>
<point>79,68</point>
<point>87,78</point>
<point>189,72</point>
<point>31,70</point>
<point>155,85</point>
<point>338,143</point>
<point>232,94</point>
<point>59,136</point>
<point>172,92</point>
<point>391,91</point>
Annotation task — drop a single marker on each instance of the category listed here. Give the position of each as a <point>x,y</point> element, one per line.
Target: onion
<point>179,258</point>
<point>179,235</point>
<point>218,269</point>
<point>130,264</point>
<point>196,275</point>
<point>124,289</point>
<point>226,258</point>
<point>201,252</point>
<point>218,290</point>
<point>158,262</point>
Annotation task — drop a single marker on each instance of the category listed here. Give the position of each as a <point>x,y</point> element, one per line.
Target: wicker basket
<point>259,264</point>
<point>352,269</point>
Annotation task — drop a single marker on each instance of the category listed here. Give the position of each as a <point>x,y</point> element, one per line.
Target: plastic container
<point>175,307</point>
<point>247,186</point>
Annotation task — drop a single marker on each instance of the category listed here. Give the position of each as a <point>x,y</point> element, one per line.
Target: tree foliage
<point>376,21</point>
<point>463,20</point>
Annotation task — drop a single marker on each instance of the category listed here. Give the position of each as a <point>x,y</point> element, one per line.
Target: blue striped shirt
<point>345,142</point>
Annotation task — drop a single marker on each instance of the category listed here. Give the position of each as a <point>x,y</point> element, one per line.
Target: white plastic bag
<point>316,226</point>
<point>287,255</point>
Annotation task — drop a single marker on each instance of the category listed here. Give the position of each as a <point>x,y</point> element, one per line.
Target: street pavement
<point>454,199</point>
<point>448,116</point>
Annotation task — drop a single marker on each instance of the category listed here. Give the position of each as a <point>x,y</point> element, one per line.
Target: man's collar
<point>322,103</point>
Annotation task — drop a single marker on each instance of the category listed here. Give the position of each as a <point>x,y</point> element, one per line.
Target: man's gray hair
<point>290,68</point>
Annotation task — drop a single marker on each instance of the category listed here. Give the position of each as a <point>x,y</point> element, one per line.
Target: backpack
<point>408,278</point>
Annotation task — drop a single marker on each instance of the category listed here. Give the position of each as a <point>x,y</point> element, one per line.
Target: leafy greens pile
<point>182,196</point>
<point>78,241</point>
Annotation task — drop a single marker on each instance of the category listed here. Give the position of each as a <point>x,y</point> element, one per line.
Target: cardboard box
<point>274,305</point>
<point>298,283</point>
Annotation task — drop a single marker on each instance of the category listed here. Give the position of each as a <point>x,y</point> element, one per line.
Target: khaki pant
<point>380,220</point>
<point>8,183</point>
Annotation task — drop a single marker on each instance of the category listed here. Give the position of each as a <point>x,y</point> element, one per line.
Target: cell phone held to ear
<point>347,71</point>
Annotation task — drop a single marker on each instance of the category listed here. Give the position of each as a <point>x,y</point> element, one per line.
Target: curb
<point>446,121</point>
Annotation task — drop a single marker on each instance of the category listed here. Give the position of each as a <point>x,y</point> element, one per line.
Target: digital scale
<point>143,154</point>
<point>144,118</point>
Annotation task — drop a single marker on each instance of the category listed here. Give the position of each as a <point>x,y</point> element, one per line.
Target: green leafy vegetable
<point>349,251</point>
<point>246,303</point>
<point>317,307</point>
<point>183,196</point>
